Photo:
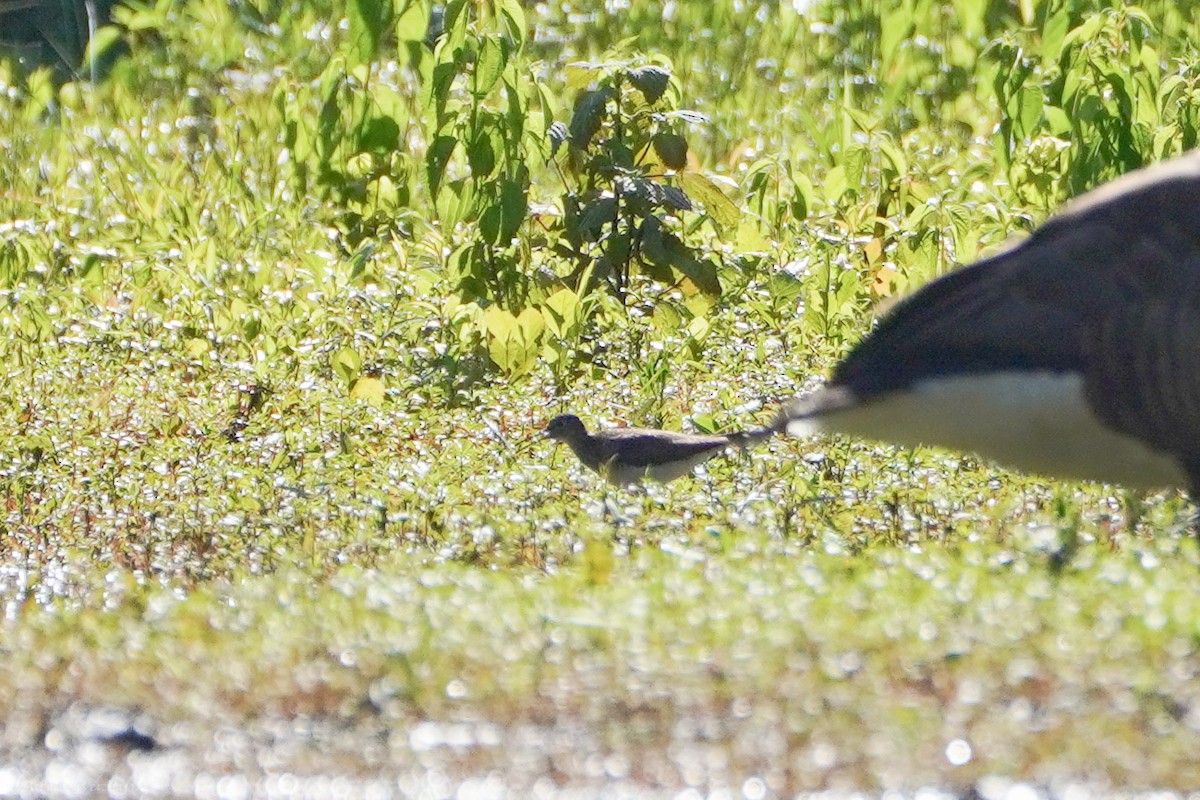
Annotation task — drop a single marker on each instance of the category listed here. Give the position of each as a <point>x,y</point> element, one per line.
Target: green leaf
<point>379,135</point>
<point>102,41</point>
<point>367,19</point>
<point>513,340</point>
<point>835,183</point>
<point>595,216</point>
<point>489,65</point>
<point>481,155</point>
<point>897,27</point>
<point>672,149</point>
<point>1053,34</point>
<point>369,390</point>
<point>1029,110</point>
<point>675,199</point>
<point>514,17</point>
<point>651,81</point>
<point>722,210</point>
<point>661,248</point>
<point>513,205</point>
<point>412,21</point>
<point>436,160</point>
<point>1084,32</point>
<point>580,74</point>
<point>440,85</point>
<point>892,154</point>
<point>588,116</point>
<point>803,197</point>
<point>561,313</point>
<point>347,363</point>
<point>1057,120</point>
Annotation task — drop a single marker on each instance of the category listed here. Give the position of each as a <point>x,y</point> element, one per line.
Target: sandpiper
<point>625,456</point>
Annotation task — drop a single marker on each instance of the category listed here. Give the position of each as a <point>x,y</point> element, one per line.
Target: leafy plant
<point>629,181</point>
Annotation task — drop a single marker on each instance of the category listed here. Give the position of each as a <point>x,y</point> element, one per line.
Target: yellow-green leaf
<point>722,210</point>
<point>370,390</point>
<point>346,363</point>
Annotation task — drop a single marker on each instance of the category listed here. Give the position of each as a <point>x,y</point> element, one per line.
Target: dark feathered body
<point>627,455</point>
<point>1075,353</point>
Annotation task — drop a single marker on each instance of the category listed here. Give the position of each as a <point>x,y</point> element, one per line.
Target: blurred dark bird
<point>627,455</point>
<point>1074,354</point>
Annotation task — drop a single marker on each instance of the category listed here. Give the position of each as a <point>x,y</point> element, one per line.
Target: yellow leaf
<point>873,250</point>
<point>370,390</point>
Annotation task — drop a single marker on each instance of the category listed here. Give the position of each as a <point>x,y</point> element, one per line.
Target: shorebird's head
<point>565,428</point>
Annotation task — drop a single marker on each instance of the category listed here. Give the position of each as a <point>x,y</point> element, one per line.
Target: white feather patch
<point>1036,422</point>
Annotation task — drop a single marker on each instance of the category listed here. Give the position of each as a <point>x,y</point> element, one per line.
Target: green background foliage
<point>288,290</point>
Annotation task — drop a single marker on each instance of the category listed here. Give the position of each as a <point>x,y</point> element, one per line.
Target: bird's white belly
<point>1034,422</point>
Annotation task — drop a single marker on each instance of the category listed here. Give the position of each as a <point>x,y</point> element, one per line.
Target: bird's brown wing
<point>642,447</point>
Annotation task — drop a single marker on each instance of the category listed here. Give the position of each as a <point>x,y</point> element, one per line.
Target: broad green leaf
<point>513,340</point>
<point>481,154</point>
<point>412,21</point>
<point>561,312</point>
<point>722,210</point>
<point>588,116</point>
<point>531,326</point>
<point>347,363</point>
<point>580,74</point>
<point>1053,34</point>
<point>101,42</point>
<point>672,149</point>
<point>513,205</point>
<point>664,249</point>
<point>897,27</point>
<point>367,19</point>
<point>370,390</point>
<point>1084,32</point>
<point>514,16</point>
<point>1030,103</point>
<point>892,154</point>
<point>380,134</point>
<point>803,197</point>
<point>835,184</point>
<point>855,162</point>
<point>489,65</point>
<point>651,81</point>
<point>1057,120</point>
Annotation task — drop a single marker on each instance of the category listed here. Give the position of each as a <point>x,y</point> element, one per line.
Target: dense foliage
<point>287,290</point>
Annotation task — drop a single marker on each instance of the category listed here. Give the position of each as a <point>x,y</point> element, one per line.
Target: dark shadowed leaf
<point>513,204</point>
<point>595,216</point>
<point>437,158</point>
<point>380,134</point>
<point>588,116</point>
<point>662,248</point>
<point>651,81</point>
<point>481,155</point>
<point>674,198</point>
<point>672,149</point>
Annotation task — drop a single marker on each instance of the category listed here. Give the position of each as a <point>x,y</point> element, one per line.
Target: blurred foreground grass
<point>211,535</point>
